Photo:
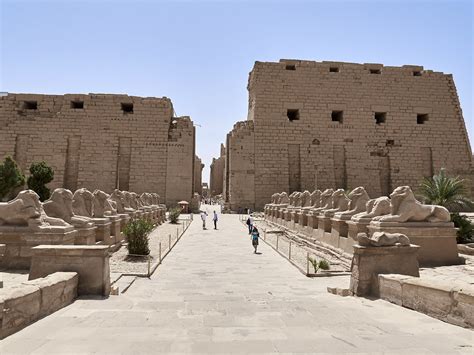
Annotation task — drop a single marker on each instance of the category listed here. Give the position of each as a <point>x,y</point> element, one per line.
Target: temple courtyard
<point>212,294</point>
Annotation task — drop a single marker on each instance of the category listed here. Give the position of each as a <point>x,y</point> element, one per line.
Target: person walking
<point>203,217</point>
<point>250,224</point>
<point>215,219</point>
<point>254,237</point>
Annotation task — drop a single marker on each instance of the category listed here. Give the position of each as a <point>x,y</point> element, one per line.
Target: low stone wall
<point>29,301</point>
<point>91,262</point>
<point>441,300</point>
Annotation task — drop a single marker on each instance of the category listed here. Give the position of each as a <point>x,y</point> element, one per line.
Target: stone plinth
<point>324,225</point>
<point>356,227</point>
<point>85,236</point>
<point>91,262</point>
<point>339,227</point>
<point>19,242</point>
<point>437,241</point>
<point>124,218</point>
<point>115,228</point>
<point>102,232</point>
<point>369,262</point>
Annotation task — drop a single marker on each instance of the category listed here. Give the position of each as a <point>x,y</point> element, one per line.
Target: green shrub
<point>41,174</point>
<point>319,264</point>
<point>137,232</point>
<point>446,191</point>
<point>174,214</point>
<point>11,178</point>
<point>465,233</point>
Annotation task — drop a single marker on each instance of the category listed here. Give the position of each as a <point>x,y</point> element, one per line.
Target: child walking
<point>254,236</point>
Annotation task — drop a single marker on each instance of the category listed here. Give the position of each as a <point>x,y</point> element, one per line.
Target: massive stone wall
<point>102,141</point>
<point>341,125</point>
<point>217,173</point>
<point>198,166</point>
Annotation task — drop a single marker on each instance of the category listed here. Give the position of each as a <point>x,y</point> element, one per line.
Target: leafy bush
<point>11,178</point>
<point>137,232</point>
<point>174,214</point>
<point>41,174</point>
<point>465,233</point>
<point>445,191</point>
<point>319,264</point>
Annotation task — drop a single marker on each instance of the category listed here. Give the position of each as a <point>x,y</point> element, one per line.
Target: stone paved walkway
<point>213,295</point>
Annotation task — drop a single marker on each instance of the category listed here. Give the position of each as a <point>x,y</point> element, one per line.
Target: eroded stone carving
<point>375,207</point>
<point>383,239</point>
<point>284,199</point>
<point>119,199</point>
<point>102,205</point>
<point>339,203</point>
<point>305,199</point>
<point>82,203</point>
<point>26,211</point>
<point>404,207</point>
<point>358,201</point>
<point>325,201</point>
<point>315,198</point>
<point>59,205</point>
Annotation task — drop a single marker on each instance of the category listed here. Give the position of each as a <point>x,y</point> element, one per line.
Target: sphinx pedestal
<point>91,262</point>
<point>19,242</point>
<point>356,227</point>
<point>340,234</point>
<point>85,235</point>
<point>369,262</point>
<point>124,218</point>
<point>115,228</point>
<point>324,226</point>
<point>437,241</point>
<point>102,233</point>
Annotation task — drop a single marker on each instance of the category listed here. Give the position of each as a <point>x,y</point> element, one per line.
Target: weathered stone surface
<point>90,262</point>
<point>25,303</point>
<point>309,127</point>
<point>369,262</point>
<point>438,299</point>
<point>437,241</point>
<point>105,158</point>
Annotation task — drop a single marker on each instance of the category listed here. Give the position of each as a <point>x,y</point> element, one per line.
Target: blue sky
<point>199,53</point>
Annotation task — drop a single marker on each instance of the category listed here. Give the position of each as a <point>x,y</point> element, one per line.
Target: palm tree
<point>445,191</point>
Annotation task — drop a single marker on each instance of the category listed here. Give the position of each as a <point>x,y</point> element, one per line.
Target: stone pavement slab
<point>213,295</point>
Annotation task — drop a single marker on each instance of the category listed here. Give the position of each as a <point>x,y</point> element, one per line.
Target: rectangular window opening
<point>390,142</point>
<point>334,70</point>
<point>421,118</point>
<point>293,115</point>
<point>375,71</point>
<point>380,117</point>
<point>417,73</point>
<point>127,108</point>
<point>290,67</point>
<point>30,105</point>
<point>77,104</point>
<point>337,116</point>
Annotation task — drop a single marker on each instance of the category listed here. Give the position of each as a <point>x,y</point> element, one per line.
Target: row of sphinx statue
<point>65,208</point>
<point>401,206</point>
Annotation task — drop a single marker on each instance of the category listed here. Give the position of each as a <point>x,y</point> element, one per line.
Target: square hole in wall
<point>390,142</point>
<point>334,70</point>
<point>337,116</point>
<point>293,115</point>
<point>77,104</point>
<point>127,107</point>
<point>421,118</point>
<point>375,71</point>
<point>30,105</point>
<point>417,73</point>
<point>380,117</point>
<point>290,67</point>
